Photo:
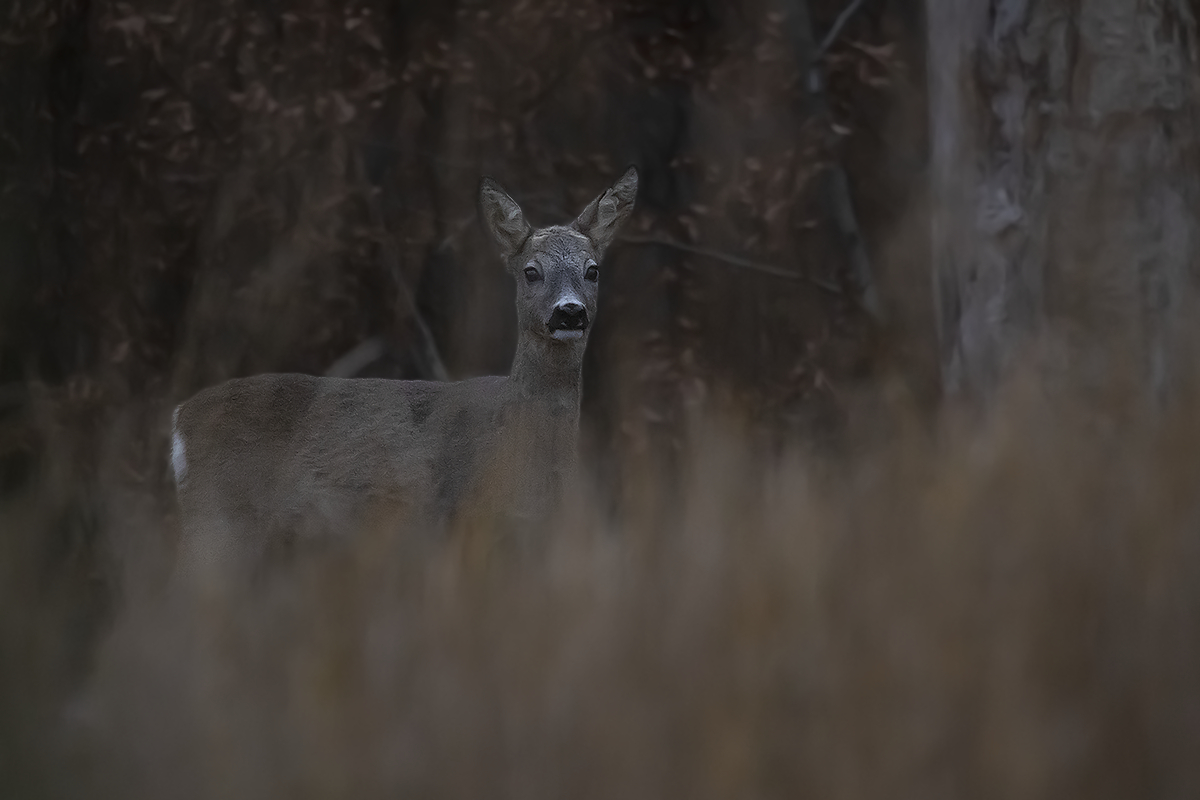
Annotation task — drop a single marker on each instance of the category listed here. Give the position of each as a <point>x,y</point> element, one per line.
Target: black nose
<point>568,317</point>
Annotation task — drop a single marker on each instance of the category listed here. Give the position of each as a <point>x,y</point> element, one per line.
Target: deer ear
<point>503,218</point>
<point>604,216</point>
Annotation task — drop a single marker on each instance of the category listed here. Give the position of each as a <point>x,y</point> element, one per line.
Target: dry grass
<point>997,607</point>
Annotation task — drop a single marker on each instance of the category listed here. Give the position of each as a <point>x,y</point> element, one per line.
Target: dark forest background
<point>935,260</point>
<point>199,192</point>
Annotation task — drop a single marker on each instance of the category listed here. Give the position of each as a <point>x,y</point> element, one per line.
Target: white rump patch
<point>178,454</point>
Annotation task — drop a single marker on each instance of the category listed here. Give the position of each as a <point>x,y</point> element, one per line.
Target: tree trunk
<point>1064,179</point>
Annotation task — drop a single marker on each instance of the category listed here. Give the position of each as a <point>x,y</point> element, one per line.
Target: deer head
<point>557,269</point>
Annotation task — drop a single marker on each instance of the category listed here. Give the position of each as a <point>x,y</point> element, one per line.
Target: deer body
<point>258,457</point>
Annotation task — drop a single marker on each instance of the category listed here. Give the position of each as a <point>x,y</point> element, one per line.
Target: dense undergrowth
<point>998,605</point>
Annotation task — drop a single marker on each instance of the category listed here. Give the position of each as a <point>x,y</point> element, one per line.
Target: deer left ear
<point>603,217</point>
<point>503,218</point>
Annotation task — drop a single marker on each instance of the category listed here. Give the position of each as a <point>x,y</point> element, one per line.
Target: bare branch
<point>357,359</point>
<point>838,24</point>
<point>426,344</point>
<point>733,260</point>
<point>837,187</point>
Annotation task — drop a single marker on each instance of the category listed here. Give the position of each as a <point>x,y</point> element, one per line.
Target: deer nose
<point>568,316</point>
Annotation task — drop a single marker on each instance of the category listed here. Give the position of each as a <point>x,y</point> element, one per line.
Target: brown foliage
<point>998,607</point>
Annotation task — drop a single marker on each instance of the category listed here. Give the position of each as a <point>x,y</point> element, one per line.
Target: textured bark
<point>1064,178</point>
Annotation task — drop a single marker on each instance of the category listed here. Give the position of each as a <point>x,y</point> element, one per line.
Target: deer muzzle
<point>568,321</point>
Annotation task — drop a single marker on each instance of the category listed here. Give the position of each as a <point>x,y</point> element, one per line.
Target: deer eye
<point>592,273</point>
<point>532,275</point>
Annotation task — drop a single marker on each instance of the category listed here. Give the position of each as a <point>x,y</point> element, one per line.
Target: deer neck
<point>541,422</point>
<point>549,376</point>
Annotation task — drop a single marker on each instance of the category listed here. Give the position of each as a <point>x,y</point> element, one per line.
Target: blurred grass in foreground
<point>997,606</point>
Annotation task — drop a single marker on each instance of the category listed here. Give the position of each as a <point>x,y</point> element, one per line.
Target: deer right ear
<point>503,218</point>
<point>604,216</point>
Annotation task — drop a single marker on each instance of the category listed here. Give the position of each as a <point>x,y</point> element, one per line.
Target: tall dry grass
<point>1000,604</point>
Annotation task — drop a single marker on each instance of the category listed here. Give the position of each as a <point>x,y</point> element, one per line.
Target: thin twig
<point>391,258</point>
<point>837,186</point>
<point>838,24</point>
<point>715,255</point>
<point>733,260</point>
<point>358,358</point>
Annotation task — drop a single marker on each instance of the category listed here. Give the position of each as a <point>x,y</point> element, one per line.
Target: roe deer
<point>262,456</point>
